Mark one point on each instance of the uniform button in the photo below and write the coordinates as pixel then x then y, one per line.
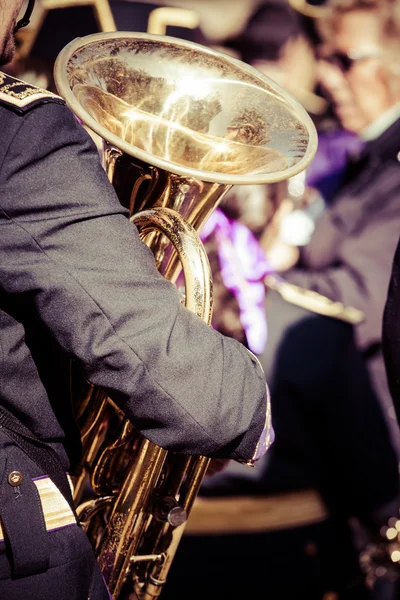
pixel 15 478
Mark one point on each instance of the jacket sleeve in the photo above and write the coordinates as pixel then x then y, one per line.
pixel 75 266
pixel 354 268
pixel 391 333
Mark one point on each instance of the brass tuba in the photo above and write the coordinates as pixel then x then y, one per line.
pixel 180 125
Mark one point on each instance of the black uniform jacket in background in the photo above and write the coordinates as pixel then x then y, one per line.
pixel 77 282
pixel 391 333
pixel 350 254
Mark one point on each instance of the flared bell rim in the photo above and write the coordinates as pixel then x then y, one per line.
pixel 64 89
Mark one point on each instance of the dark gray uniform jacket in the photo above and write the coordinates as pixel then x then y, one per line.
pixel 350 254
pixel 76 282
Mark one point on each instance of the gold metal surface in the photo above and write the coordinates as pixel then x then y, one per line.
pixel 181 124
pixel 185 108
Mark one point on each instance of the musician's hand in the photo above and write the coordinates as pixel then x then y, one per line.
pixel 282 256
pixel 217 465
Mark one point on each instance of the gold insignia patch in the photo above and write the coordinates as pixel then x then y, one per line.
pixel 21 95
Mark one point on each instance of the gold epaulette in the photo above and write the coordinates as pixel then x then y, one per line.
pixel 21 96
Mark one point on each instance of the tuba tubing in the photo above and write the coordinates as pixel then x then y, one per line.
pixel 179 124
pixel 134 505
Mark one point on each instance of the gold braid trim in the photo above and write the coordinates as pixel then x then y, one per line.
pixel 20 94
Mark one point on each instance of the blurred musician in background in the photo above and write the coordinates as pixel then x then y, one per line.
pixel 327 374
pixel 332 458
pixel 350 252
pixel 338 261
pixel 357 175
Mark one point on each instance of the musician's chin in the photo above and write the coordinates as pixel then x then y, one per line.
pixel 7 50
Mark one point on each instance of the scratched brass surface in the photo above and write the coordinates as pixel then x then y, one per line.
pixel 185 108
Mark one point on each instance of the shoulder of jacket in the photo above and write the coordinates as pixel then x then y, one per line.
pixel 20 97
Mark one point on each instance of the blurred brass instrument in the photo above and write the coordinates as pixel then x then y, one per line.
pixel 180 124
pixel 313 301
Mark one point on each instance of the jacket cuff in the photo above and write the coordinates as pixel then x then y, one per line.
pixel 266 438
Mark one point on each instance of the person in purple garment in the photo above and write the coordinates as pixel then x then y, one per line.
pixel 349 256
pixel 282 512
pixel 332 413
pixel 348 260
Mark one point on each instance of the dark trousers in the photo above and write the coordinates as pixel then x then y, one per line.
pixel 331 436
pixel 307 562
pixel 37 563
pixel 73 573
pixel 331 433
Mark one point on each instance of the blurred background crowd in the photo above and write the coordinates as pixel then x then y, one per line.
pixel 305 289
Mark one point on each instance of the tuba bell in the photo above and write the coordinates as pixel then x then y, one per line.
pixel 179 124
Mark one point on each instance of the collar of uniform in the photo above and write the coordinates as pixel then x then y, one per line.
pixel 21 96
pixel 375 129
pixel 386 146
